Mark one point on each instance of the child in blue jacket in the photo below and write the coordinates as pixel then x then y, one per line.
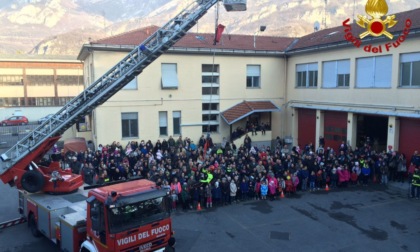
pixel 264 190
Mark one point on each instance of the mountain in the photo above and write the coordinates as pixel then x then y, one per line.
pixel 61 27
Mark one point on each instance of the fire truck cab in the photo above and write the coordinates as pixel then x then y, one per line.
pixel 129 216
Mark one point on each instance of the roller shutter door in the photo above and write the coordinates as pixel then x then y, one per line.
pixel 409 136
pixel 306 127
pixel 335 128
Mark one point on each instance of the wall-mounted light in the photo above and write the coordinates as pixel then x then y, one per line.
pixel 349 121
pixel 317 117
pixel 390 125
pixel 293 114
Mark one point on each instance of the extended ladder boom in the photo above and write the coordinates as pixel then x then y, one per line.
pixel 110 83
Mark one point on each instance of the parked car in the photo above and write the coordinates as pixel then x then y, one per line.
pixel 15 120
pixel 43 119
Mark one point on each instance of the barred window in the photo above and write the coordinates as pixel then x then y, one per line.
pixel 11 80
pixel 38 80
pixel 70 80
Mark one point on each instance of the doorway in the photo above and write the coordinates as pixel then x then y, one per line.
pixel 372 129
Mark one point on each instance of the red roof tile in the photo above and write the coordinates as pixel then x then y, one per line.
pixel 314 40
pixel 245 108
pixel 203 40
pixel 336 34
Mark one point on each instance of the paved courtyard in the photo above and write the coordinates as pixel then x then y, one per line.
pixel 373 218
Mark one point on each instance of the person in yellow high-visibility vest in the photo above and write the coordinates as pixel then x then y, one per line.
pixel 415 184
pixel 208 178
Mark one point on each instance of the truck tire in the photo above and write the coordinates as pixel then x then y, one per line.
pixel 32 181
pixel 33 226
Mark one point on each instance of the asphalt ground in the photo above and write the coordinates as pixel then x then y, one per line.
pixel 373 218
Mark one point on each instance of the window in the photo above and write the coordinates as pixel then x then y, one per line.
pixel 64 100
pixel 307 75
pixel 70 80
pixel 11 80
pixel 169 76
pixel 210 74
pixel 336 73
pixel 177 122
pixel 163 123
pixel 132 85
pixel 11 101
pixel 133 212
pixel 37 80
pixel 31 101
pixel 129 122
pixel 374 72
pixel 44 101
pixel 210 90
pixel 210 128
pixel 210 79
pixel 253 73
pixel 210 68
pixel 210 117
pixel 410 70
pixel 210 106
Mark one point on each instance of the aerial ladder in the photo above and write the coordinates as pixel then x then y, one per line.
pixel 18 165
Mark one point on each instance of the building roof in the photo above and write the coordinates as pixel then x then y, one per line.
pixel 229 43
pixel 38 58
pixel 246 108
pixel 202 40
pixel 336 35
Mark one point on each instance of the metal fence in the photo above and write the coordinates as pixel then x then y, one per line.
pixel 10 135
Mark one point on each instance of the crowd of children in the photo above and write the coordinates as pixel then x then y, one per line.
pixel 213 175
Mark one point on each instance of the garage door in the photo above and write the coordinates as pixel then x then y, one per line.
pixel 335 128
pixel 409 136
pixel 306 127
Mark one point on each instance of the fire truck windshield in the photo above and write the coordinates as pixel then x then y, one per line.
pixel 125 217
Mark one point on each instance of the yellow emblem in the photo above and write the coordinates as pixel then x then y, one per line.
pixel 376 26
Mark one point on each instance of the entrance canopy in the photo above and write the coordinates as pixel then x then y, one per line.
pixel 246 108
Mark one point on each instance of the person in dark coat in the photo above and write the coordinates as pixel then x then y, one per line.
pixel 217 194
pixel 244 186
pixel 225 191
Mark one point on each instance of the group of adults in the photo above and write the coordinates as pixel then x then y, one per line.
pixel 210 174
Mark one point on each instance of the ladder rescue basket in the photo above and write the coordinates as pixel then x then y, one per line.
pixel 235 5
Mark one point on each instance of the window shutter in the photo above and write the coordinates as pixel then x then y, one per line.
pixel 252 70
pixel 163 122
pixel 364 72
pixel 343 67
pixel 329 74
pixel 169 76
pixel 410 57
pixel 383 70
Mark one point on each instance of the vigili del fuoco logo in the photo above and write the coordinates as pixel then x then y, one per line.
pixel 376 24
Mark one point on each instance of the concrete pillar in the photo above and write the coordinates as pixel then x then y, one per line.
pixel 393 132
pixel 351 129
pixel 319 131
pixel 295 123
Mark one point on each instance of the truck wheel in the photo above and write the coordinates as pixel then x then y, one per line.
pixel 32 181
pixel 32 225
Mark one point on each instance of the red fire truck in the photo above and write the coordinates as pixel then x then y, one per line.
pixel 128 216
